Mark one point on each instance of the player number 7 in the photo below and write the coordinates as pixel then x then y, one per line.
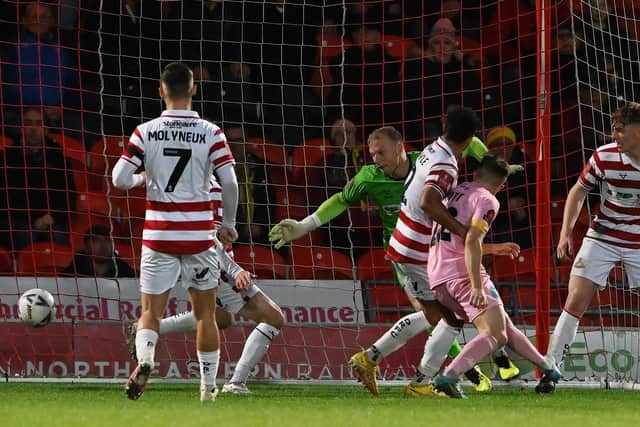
pixel 184 156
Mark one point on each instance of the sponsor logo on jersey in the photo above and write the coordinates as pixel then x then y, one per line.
pixel 179 124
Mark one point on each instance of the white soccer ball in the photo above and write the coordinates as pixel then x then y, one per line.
pixel 35 307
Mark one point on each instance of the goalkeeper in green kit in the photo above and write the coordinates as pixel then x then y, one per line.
pixel 383 184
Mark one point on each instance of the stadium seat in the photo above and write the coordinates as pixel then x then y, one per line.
pixel 317 237
pixel 5 141
pixel 44 258
pixel 76 156
pixel 71 147
pixel 93 201
pixel 563 268
pixel 266 150
pixel 101 158
pixel 262 261
pixel 373 265
pixel 557 212
pixel 522 269
pixel 6 262
pixel 289 203
pixel 320 263
pixel 275 157
pixel 398 47
pixel 385 302
pixel 130 204
pixel 307 163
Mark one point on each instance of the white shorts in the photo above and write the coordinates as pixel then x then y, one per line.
pixel 231 300
pixel 596 259
pixel 415 280
pixel 160 271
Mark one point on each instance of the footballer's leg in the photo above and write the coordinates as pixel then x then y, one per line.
pixel 365 363
pixel 590 269
pixel 436 311
pixel 521 345
pixel 207 340
pixel 158 274
pixel 491 335
pixel 435 352
pixel 507 370
pixel 200 276
pixel 146 339
pixel 261 309
pixel 581 292
pixel 224 319
pixel 181 322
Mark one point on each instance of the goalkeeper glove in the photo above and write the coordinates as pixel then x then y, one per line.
pixel 475 149
pixel 290 229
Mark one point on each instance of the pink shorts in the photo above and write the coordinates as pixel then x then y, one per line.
pixel 456 296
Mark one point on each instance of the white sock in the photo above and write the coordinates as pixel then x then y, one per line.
pixel 146 340
pixel 563 335
pixel 208 368
pixel 435 352
pixel 404 329
pixel 254 349
pixel 181 322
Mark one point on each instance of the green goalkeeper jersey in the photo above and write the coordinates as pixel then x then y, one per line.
pixel 383 191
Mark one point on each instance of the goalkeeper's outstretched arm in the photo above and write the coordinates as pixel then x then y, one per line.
pixel 290 229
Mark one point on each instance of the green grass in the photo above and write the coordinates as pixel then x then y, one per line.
pixel 50 405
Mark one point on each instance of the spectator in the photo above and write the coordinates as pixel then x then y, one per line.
pixel 513 222
pixel 235 99
pixel 253 216
pixel 38 187
pixel 97 258
pixel 371 79
pixel 344 163
pixel 436 81
pixel 38 70
pixel 362 225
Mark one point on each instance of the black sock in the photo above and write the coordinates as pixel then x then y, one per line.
pixel 502 361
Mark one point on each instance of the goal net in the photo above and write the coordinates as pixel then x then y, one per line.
pixel 297 86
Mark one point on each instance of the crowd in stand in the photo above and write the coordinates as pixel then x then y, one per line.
pixel 287 73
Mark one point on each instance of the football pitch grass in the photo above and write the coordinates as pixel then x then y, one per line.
pixel 52 405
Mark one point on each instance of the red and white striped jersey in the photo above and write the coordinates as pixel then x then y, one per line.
pixel 215 194
pixel 618 221
pixel 436 167
pixel 179 151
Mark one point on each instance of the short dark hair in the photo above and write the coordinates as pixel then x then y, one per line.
pixel 461 124
pixel 178 79
pixel 388 132
pixel 493 169
pixel 627 114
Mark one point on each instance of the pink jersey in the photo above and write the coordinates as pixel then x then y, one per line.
pixel 471 205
